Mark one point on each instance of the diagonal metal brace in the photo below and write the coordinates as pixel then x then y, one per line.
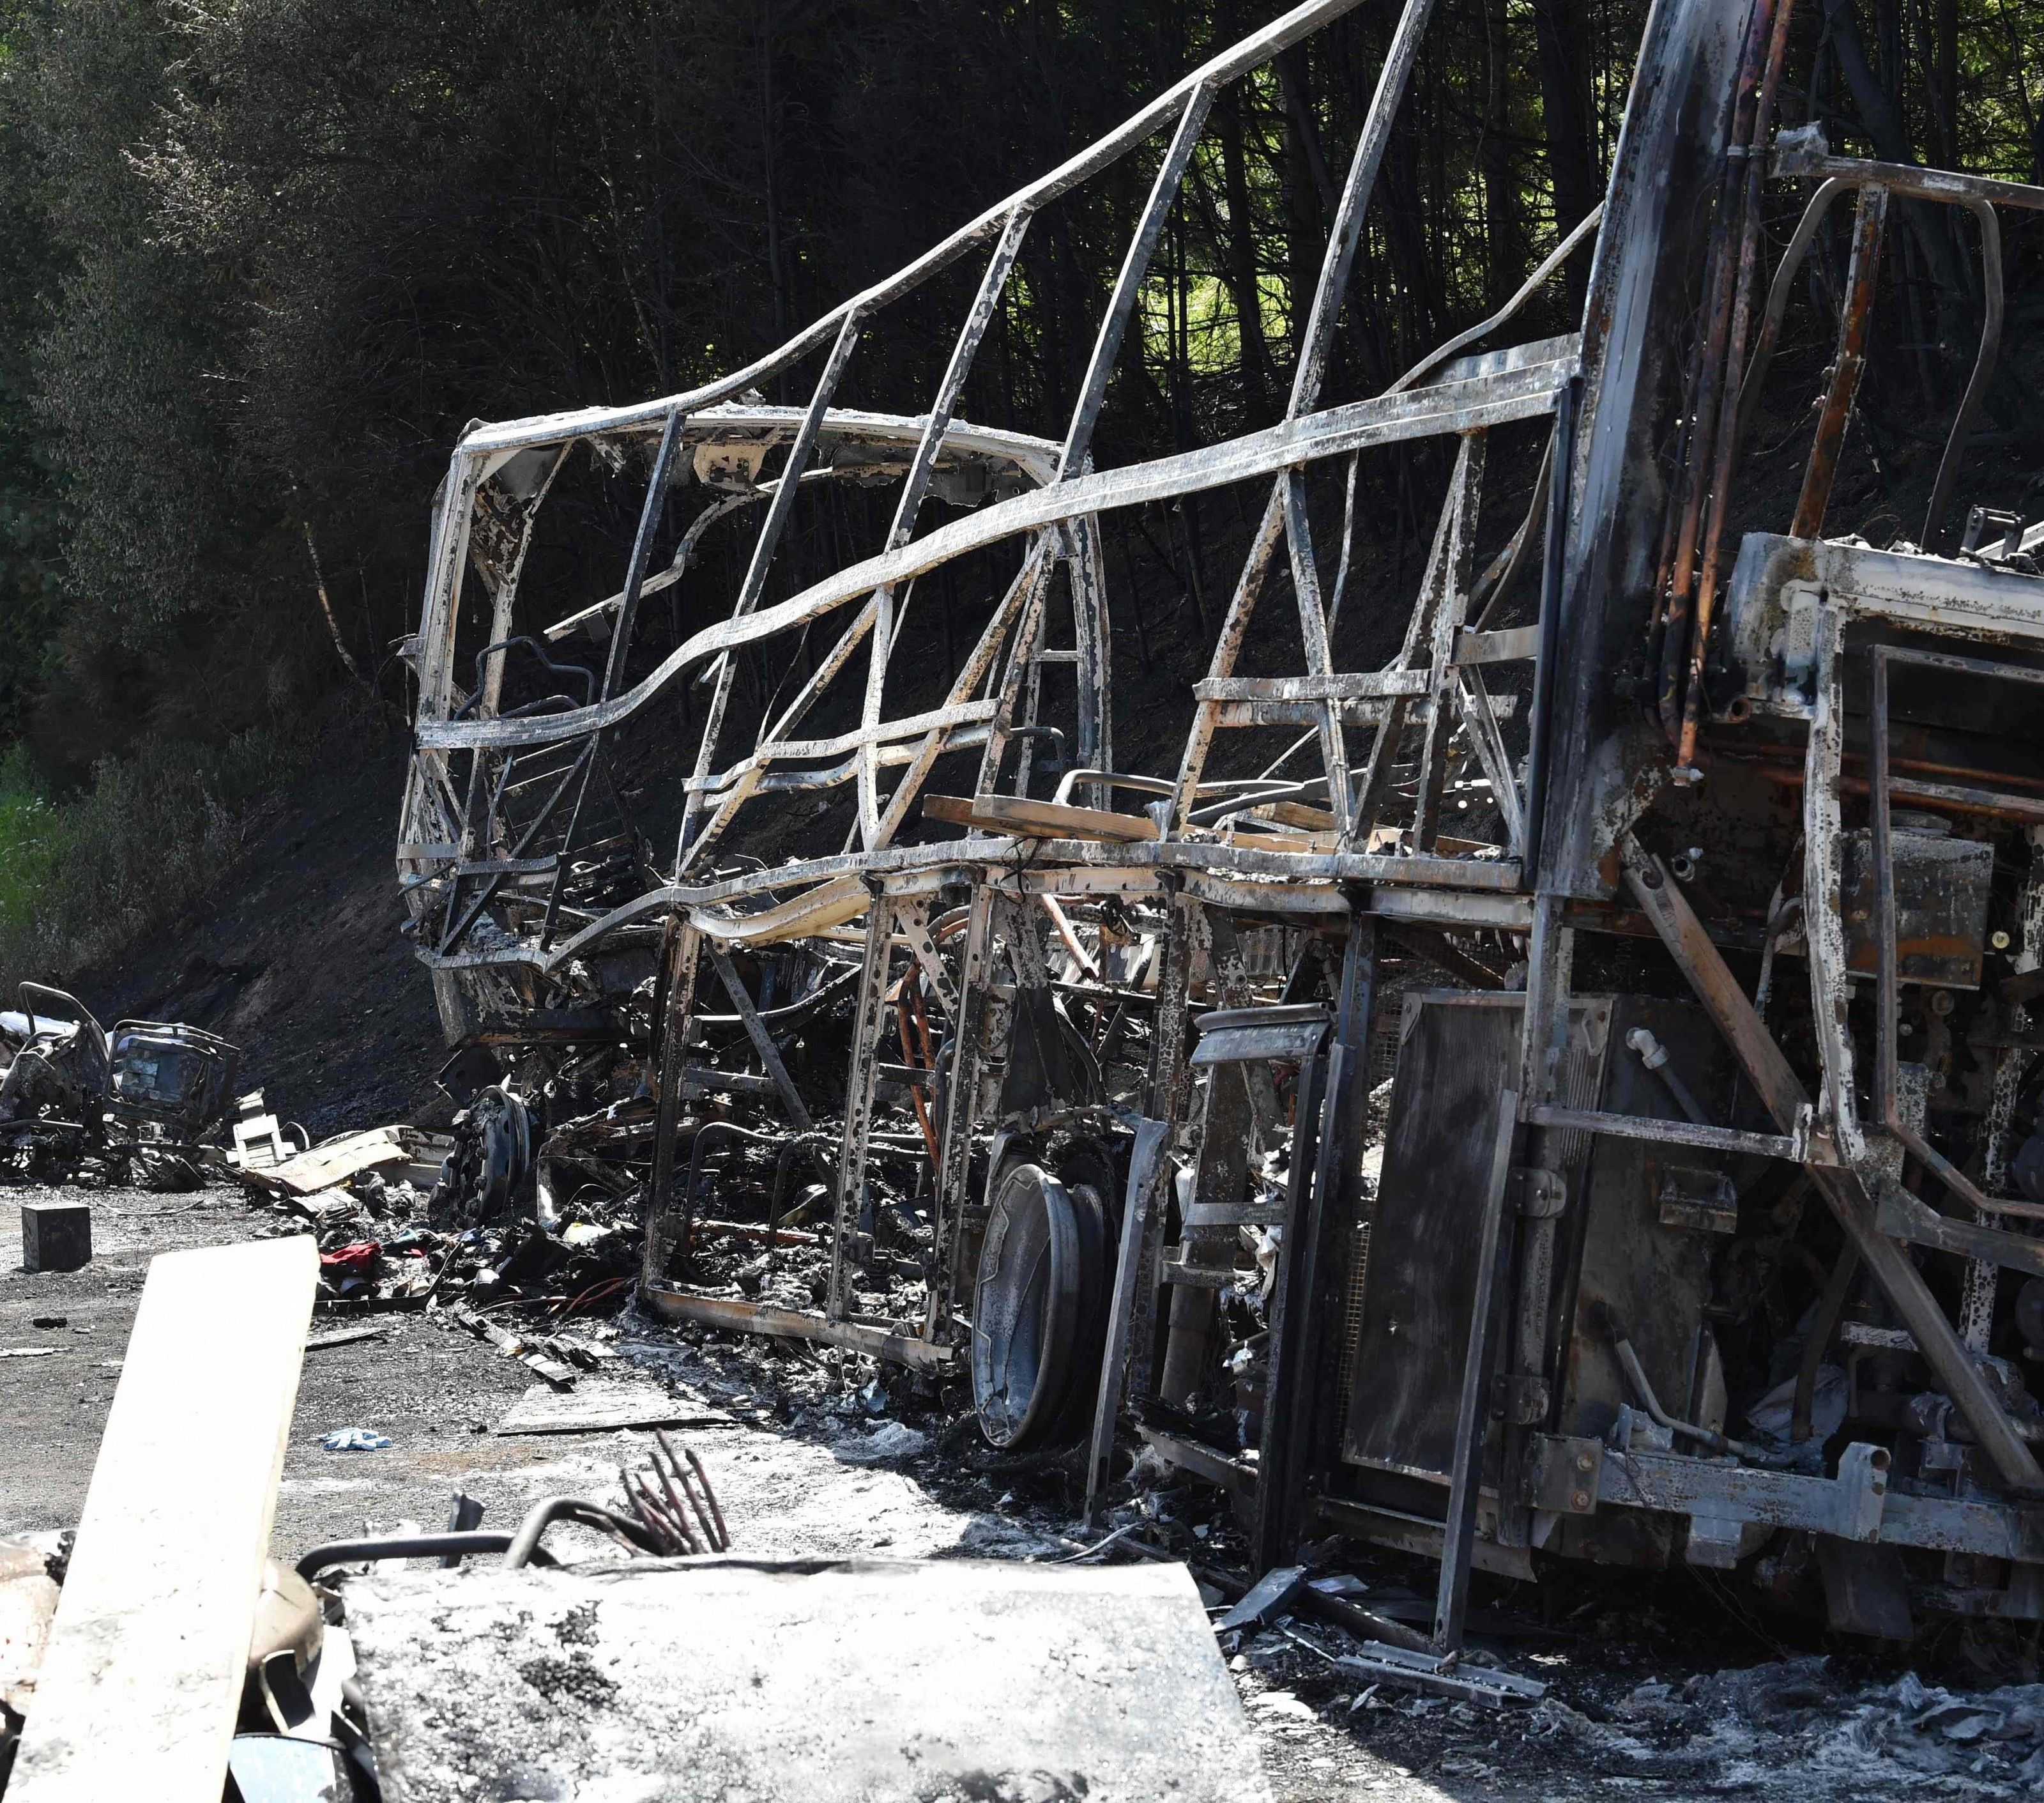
pixel 1782 1091
pixel 762 1041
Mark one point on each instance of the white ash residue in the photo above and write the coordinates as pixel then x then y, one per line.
pixel 1796 1724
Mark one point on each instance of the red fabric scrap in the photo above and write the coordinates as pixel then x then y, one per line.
pixel 357 1260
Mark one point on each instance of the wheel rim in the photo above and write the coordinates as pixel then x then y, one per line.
pixel 1027 1306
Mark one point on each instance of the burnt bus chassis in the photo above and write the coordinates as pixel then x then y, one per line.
pixel 1522 1412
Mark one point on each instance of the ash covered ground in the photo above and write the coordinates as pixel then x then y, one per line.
pixel 1675 1687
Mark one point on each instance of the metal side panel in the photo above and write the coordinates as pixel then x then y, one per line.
pixel 1458 1051
pixel 1645 1232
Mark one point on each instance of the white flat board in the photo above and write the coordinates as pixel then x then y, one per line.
pixel 139 1688
pixel 324 1166
pixel 597 1407
pixel 799 1680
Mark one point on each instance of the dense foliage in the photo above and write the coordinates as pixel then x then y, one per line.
pixel 260 260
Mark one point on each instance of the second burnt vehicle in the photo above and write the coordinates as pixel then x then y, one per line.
pixel 138 1102
pixel 1564 1089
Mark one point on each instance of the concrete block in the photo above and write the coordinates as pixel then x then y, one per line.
pixel 55 1235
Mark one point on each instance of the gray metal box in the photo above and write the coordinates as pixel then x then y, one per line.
pixel 55 1235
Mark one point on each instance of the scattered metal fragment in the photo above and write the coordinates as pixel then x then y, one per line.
pixel 517 1346
pixel 257 1140
pixel 401 1151
pixel 344 1337
pixel 1265 1598
pixel 1444 1675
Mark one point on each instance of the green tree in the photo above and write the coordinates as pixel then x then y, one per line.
pixel 31 518
pixel 122 362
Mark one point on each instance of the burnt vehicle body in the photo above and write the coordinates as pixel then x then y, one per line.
pixel 138 1100
pixel 167 1084
pixel 1571 1103
pixel 55 1082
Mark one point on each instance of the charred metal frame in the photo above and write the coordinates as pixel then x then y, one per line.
pixel 955 929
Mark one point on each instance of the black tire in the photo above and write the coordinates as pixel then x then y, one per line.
pixel 506 1134
pixel 1086 1169
pixel 1089 1162
pixel 1027 1307
pixel 1098 1247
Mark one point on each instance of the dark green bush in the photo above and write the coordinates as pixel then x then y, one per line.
pixel 84 877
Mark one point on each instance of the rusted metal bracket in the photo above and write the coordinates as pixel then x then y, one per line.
pixel 1853 1506
pixel 1565 1472
pixel 1847 365
pixel 1537 1194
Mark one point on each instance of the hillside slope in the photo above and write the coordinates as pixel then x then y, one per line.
pixel 297 959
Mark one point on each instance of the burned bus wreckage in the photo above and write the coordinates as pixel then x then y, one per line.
pixel 1572 1097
